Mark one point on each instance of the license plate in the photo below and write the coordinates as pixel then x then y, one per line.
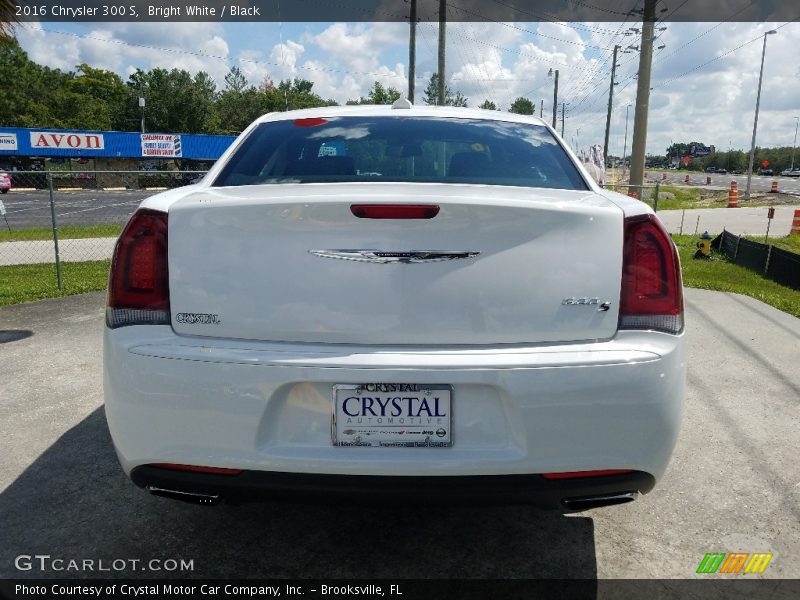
pixel 392 414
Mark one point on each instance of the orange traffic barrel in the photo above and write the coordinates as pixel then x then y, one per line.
pixel 733 195
pixel 708 180
pixel 774 189
pixel 795 224
pixel 686 179
pixel 663 177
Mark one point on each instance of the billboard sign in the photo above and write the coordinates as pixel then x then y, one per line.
pixel 161 145
pixel 8 141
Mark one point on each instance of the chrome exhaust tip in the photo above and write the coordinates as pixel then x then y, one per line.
pixel 190 497
pixel 598 501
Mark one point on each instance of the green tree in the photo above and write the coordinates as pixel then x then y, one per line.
pixel 235 80
pixel 488 105
pixel 378 95
pixel 175 101
pixel 31 90
pixel 522 106
pixel 94 99
pixel 431 94
pixel 291 94
pixel 239 104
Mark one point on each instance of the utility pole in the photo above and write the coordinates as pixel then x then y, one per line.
pixel 794 145
pixel 625 147
pixel 541 113
pixel 442 33
pixel 555 100
pixel 610 103
pixel 412 50
pixel 563 117
pixel 639 145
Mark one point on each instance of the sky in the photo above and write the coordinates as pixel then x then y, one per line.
pixel 704 80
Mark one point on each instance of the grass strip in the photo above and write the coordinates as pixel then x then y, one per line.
pixel 720 275
pixel 69 232
pixel 24 283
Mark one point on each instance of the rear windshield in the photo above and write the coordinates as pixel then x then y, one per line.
pixel 401 149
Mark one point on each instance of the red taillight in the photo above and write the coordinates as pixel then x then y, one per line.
pixel 394 211
pixel 581 474
pixel 138 284
pixel 652 293
pixel 198 469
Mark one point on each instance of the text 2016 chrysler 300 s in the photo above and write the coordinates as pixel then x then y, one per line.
pixel 390 302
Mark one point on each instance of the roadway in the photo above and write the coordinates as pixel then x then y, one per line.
pixel 98 207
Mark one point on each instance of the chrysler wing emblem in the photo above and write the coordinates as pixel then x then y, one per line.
pixel 389 256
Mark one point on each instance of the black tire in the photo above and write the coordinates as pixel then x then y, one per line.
pixel 3 191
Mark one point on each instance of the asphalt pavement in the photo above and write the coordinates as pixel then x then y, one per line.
pixel 733 483
pixel 741 221
pixel 102 207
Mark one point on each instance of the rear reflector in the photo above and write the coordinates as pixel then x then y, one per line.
pixel 652 292
pixel 582 474
pixel 138 283
pixel 395 211
pixel 198 469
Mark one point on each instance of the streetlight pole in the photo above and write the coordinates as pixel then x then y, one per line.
pixel 794 145
pixel 141 105
pixel 755 121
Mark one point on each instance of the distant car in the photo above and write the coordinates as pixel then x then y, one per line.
pixel 765 171
pixel 717 170
pixel 5 183
pixel 791 172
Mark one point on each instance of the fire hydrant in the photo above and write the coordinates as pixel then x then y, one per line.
pixel 704 246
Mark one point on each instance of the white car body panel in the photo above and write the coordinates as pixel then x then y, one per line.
pixel 267 406
pixel 245 254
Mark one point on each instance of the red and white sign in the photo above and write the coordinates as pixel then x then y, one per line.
pixel 67 140
pixel 765 163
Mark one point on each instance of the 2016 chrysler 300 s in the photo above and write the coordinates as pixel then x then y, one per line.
pixel 391 302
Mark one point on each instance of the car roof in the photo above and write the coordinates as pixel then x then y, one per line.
pixel 369 110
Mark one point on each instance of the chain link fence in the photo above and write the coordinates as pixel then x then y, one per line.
pixel 52 217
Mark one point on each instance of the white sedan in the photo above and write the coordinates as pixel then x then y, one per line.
pixel 391 303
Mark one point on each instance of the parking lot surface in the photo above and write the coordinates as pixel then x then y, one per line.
pixel 733 484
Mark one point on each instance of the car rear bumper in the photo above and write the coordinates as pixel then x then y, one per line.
pixel 266 407
pixel 565 495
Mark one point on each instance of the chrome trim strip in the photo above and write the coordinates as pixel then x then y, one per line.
pixel 395 256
